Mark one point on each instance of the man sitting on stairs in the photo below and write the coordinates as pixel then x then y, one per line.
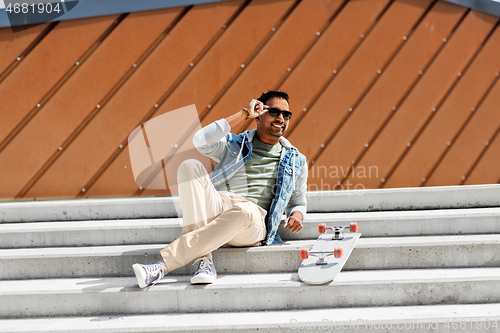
pixel 259 176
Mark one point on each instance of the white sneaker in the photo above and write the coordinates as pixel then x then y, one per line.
pixel 206 271
pixel 148 275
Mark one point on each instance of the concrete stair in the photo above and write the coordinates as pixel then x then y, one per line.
pixel 428 260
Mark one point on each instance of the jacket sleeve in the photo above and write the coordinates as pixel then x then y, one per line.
pixel 211 141
pixel 298 201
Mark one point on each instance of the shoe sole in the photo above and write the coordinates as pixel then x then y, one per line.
pixel 139 275
pixel 203 280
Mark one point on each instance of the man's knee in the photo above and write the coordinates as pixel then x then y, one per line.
pixel 245 214
pixel 189 170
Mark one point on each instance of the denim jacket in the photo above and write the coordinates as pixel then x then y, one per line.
pixel 231 151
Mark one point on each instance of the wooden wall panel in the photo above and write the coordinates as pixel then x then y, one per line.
pixel 486 170
pixel 113 60
pixel 12 45
pixel 324 53
pixel 161 73
pixel 274 59
pixel 131 104
pixel 456 112
pixel 330 52
pixel 352 81
pixel 436 84
pixel 225 58
pixel 467 148
pixel 395 84
pixel 116 180
pixel 30 82
pixel 350 85
pixel 223 61
pixel 78 98
pixel 390 91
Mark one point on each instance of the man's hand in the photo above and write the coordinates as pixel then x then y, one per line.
pixel 293 223
pixel 256 108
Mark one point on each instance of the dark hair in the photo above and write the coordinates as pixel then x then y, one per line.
pixel 273 93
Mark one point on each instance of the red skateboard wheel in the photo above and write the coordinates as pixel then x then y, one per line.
pixel 304 253
pixel 353 227
pixel 338 252
pixel 322 228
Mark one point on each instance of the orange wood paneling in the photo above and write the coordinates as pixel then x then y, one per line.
pixel 112 179
pixel 131 104
pixel 274 59
pixel 224 59
pixel 486 170
pixel 432 91
pixel 332 49
pixel 29 83
pixel 394 85
pixel 351 83
pixel 310 39
pixel 12 45
pixel 116 180
pixel 78 97
pixel 470 143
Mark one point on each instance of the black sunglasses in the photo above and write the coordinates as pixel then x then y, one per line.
pixel 275 112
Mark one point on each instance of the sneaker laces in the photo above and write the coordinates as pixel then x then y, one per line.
pixel 204 265
pixel 153 269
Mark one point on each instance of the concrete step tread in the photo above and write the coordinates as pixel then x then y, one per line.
pixel 369 254
pixel 117 250
pixel 368 317
pixel 439 197
pixel 151 231
pixel 240 281
pixel 91 225
pixel 247 292
pixel 176 222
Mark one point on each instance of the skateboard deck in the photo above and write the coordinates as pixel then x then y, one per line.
pixel 327 257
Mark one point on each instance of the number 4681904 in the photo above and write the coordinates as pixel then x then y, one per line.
pixel 40 8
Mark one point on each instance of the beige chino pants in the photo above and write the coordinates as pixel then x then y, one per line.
pixel 210 218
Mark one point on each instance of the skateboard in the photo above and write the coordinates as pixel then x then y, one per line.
pixel 328 255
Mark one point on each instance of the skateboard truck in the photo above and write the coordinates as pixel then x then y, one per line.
pixel 323 268
pixel 338 235
pixel 321 255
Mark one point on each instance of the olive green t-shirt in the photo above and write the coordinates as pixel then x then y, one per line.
pixel 257 181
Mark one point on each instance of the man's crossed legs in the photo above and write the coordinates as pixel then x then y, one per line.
pixel 210 220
